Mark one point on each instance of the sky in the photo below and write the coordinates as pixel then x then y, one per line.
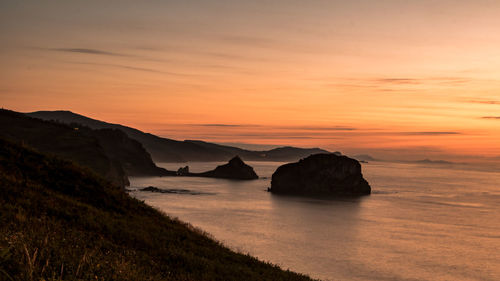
pixel 394 79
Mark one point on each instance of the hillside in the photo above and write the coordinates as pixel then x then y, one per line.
pixel 108 152
pixel 286 153
pixel 168 150
pixel 59 222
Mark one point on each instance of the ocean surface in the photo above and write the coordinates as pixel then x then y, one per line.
pixel 422 222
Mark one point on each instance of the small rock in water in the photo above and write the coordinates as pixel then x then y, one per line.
pixel 183 171
pixel 174 191
pixel 151 189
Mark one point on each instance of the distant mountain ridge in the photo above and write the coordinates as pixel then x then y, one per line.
pixel 429 161
pixel 168 150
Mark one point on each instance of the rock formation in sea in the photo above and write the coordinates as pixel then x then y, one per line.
pixel 183 171
pixel 234 169
pixel 321 174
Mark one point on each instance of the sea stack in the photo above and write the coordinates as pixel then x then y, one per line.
pixel 321 174
pixel 183 171
pixel 234 169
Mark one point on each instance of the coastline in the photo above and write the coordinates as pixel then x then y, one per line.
pixel 61 221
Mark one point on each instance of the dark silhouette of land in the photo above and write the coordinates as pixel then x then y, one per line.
pixel 321 174
pixel 364 157
pixel 235 169
pixel 108 152
pixel 438 162
pixel 58 221
pixel 168 150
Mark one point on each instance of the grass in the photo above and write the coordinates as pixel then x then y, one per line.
pixel 61 222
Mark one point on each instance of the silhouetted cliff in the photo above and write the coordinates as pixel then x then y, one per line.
pixel 109 153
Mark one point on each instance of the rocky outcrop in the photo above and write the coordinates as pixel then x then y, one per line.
pixel 320 174
pixel 234 169
pixel 151 189
pixel 183 171
pixel 174 191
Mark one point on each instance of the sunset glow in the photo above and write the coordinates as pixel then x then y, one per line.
pixel 393 79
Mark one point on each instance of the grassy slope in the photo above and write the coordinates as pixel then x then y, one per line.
pixel 57 221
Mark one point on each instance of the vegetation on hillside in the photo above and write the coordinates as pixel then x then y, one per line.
pixel 108 152
pixel 60 222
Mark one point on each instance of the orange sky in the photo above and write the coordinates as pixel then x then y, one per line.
pixel 407 79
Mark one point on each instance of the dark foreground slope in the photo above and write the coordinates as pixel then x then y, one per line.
pixel 59 222
pixel 168 150
pixel 108 152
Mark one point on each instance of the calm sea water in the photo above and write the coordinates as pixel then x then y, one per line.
pixel 420 223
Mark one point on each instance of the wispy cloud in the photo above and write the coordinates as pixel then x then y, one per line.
pixel 420 80
pixel 220 125
pixel 484 101
pixel 273 44
pixel 428 133
pixel 210 53
pixel 128 67
pixel 104 53
pixel 250 41
pixel 318 128
pixel 491 117
pixel 396 80
pixel 391 83
pixel 88 51
pixel 120 66
pixel 288 128
pixel 221 130
pixel 269 135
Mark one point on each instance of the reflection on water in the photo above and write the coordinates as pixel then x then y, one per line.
pixel 420 223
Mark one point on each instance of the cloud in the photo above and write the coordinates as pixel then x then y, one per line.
pixel 292 128
pixel 424 80
pixel 214 53
pixel 491 117
pixel 288 46
pixel 316 128
pixel 391 83
pixel 87 51
pixel 252 41
pixel 429 133
pixel 397 80
pixel 320 128
pixel 97 52
pixel 319 132
pixel 220 125
pixel 120 66
pixel 132 68
pixel 485 101
pixel 270 135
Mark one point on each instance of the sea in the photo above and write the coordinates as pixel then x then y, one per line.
pixel 421 222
